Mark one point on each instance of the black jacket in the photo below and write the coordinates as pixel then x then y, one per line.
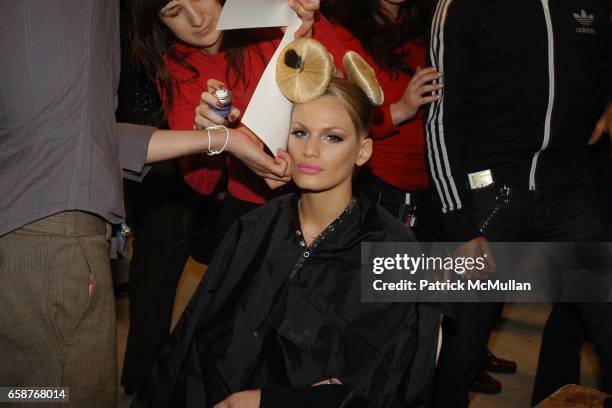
pixel 270 312
pixel 524 84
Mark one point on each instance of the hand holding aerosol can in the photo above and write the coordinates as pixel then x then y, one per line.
pixel 215 107
pixel 224 102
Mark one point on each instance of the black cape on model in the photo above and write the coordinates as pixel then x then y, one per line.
pixel 270 312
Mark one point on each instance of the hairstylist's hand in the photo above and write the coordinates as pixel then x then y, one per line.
pixel 604 124
pixel 205 116
pixel 306 9
pixel 281 156
pixel 412 100
pixel 249 149
pixel 243 399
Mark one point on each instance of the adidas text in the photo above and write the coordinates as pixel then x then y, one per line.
pixel 585 30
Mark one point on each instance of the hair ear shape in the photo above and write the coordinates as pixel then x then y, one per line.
pixel 304 70
pixel 359 72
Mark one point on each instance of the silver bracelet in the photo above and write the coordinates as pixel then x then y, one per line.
pixel 210 151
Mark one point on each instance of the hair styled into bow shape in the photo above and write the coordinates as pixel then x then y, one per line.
pixel 305 72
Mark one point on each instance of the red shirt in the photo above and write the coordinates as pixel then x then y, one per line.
pixel 399 151
pixel 200 172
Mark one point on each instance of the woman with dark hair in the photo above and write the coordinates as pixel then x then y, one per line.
pixel 160 211
pixel 180 41
pixel 278 320
pixel 391 36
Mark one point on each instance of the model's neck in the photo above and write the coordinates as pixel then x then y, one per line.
pixel 319 209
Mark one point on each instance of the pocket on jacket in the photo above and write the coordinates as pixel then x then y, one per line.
pixel 490 203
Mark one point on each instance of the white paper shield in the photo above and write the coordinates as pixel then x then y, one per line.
pixel 268 113
pixel 255 13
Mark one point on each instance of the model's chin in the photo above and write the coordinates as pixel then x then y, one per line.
pixel 310 182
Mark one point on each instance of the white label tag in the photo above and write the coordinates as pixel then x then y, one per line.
pixel 480 179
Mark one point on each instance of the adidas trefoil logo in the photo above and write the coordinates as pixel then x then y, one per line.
pixel 586 20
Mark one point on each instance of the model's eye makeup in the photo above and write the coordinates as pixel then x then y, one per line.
pixel 297 131
pixel 332 138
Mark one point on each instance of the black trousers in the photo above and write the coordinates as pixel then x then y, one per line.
pixel 565 215
pixel 567 326
pixel 162 211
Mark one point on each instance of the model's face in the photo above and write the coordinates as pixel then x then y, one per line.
pixel 325 146
pixel 194 22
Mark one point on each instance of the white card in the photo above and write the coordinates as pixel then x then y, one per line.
pixel 255 13
pixel 268 114
pixel 480 179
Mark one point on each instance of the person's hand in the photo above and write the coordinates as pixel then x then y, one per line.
pixel 243 399
pixel 205 116
pixel 604 124
pixel 306 10
pixel 412 99
pixel 477 248
pixel 281 156
pixel 248 148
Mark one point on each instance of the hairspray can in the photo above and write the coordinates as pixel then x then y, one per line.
pixel 225 98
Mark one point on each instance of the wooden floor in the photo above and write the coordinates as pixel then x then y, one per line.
pixel 517 337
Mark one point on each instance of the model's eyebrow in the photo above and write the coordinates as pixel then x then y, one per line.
pixel 333 129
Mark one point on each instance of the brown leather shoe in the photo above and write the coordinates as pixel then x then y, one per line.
pixel 499 365
pixel 485 384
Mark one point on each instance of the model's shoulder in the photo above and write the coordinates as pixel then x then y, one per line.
pixel 270 209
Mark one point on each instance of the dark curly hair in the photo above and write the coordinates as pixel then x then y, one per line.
pixel 378 34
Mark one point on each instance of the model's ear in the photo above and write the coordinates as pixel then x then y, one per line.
pixel 365 151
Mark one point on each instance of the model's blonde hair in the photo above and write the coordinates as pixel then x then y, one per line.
pixel 304 72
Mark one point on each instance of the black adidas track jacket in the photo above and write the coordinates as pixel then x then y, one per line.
pixel 524 84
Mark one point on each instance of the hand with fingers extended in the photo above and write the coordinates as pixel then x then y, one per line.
pixel 248 148
pixel 415 95
pixel 306 10
pixel 205 114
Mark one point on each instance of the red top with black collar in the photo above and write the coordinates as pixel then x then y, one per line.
pixel 399 151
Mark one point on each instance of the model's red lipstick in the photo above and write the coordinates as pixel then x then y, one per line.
pixel 308 168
